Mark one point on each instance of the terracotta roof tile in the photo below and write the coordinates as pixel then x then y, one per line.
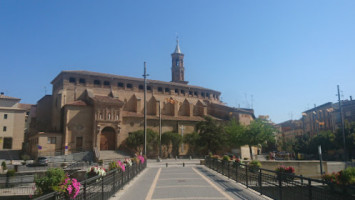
pixel 7 97
pixel 77 103
pixel 107 99
pixel 25 106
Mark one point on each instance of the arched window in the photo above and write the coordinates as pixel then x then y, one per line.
pixel 97 82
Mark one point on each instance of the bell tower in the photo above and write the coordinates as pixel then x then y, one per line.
pixel 177 69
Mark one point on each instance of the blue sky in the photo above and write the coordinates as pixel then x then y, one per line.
pixel 281 57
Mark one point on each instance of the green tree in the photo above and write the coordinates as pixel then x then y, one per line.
pixel 258 132
pixel 301 144
pixel 235 133
pixel 286 144
pixel 171 139
pixel 326 139
pixel 135 141
pixel 212 135
pixel 192 140
pixel 349 131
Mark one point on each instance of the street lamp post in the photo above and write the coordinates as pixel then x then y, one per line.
pixel 320 159
pixel 182 136
pixel 145 107
pixel 342 124
pixel 159 131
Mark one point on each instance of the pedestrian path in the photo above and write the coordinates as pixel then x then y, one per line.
pixel 183 183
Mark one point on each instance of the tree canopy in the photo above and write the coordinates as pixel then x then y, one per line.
pixel 135 141
pixel 212 135
pixel 171 139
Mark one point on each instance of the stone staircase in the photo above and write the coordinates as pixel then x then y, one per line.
pixel 109 155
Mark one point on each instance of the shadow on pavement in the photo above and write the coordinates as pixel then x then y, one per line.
pixel 229 186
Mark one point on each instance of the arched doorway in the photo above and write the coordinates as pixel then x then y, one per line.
pixel 108 139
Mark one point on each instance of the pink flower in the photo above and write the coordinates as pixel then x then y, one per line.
pixel 74 181
pixel 70 189
pixel 76 193
pixel 141 158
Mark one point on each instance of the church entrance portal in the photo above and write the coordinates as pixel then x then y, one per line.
pixel 108 139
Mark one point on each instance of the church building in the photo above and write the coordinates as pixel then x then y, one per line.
pixel 96 111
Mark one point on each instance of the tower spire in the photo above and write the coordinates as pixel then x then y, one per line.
pixel 177 69
pixel 177 48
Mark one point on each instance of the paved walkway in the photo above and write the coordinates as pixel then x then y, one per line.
pixel 192 182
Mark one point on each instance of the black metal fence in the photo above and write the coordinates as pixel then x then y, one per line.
pixel 276 185
pixel 101 187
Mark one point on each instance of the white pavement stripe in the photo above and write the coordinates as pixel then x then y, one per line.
pixel 189 173
pixel 168 179
pixel 152 187
pixel 192 198
pixel 183 186
pixel 213 185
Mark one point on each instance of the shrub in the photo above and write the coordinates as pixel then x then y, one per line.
pixel 226 158
pixel 112 165
pixel 343 177
pixel 215 157
pixel 331 178
pixel 3 165
pixel 100 162
pixel 135 159
pixel 245 158
pixel 238 162
pixel 50 182
pixel 348 176
pixel 285 169
pixel 254 165
pixel 11 172
pixel 25 157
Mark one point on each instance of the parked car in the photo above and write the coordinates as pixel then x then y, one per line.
pixel 43 161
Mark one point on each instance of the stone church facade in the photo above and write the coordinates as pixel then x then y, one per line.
pixel 90 110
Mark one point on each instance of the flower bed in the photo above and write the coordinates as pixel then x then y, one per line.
pixel 285 173
pixel 342 181
pixel 70 188
pixel 95 171
pixel 58 185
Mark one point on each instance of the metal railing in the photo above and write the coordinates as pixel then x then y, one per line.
pixel 16 186
pixel 277 185
pixel 101 187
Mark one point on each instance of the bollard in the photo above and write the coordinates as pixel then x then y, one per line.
pixel 190 157
pixel 175 157
pixel 183 164
pixel 166 164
